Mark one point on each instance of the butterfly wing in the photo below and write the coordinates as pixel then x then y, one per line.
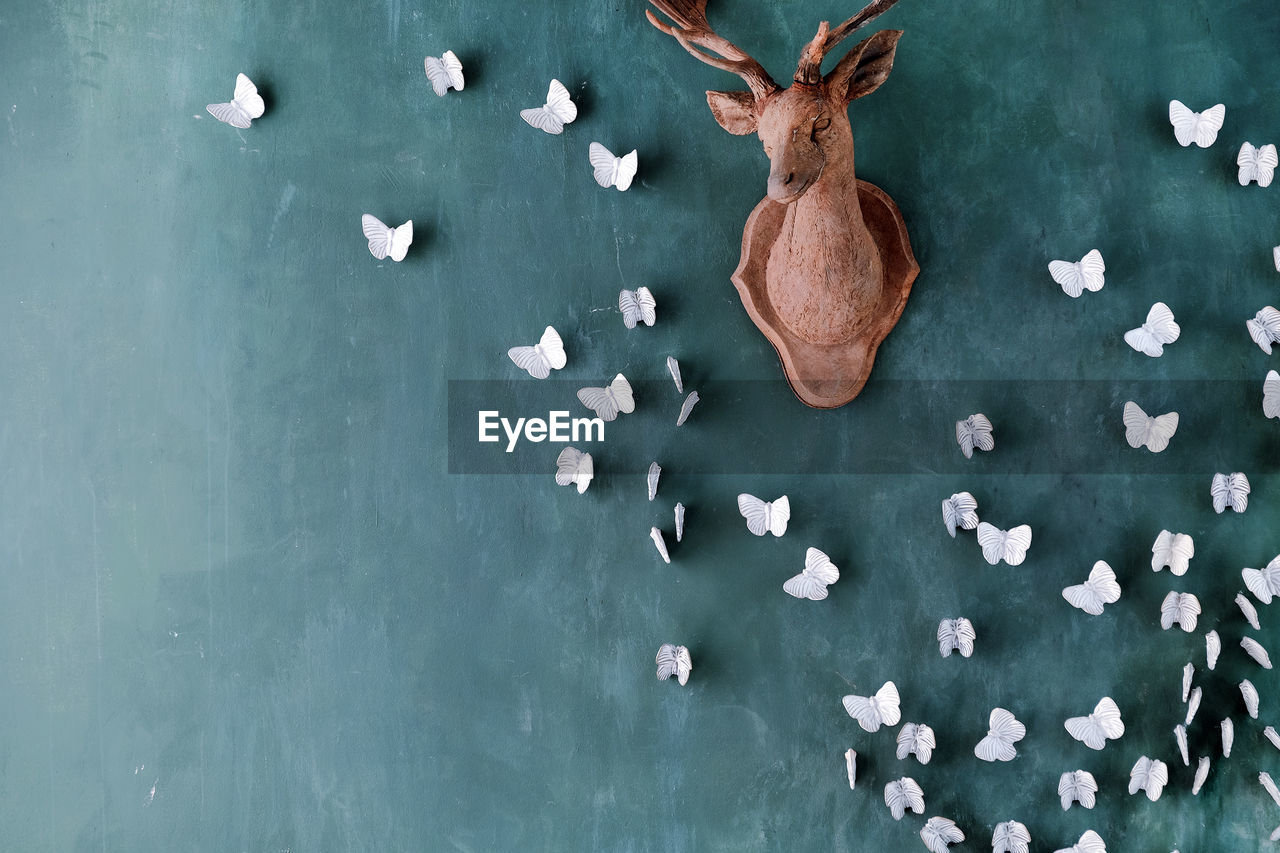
pixel 531 360
pixel 627 166
pixel 630 309
pixel 667 661
pixel 378 234
pixel 1265 164
pixel 647 306
pixel 1238 492
pixel 756 512
pixel 779 515
pixel 543 119
pixel 574 467
pixel 1250 695
pixel 1161 324
pixel 1016 543
pixel 888 703
pixel 1271 395
pixel 399 240
pixel 1220 492
pixel 551 349
pixel 620 388
pixel 1184 123
pixel 947 637
pixel 1202 773
pixel 992 539
pixel 965 438
pixel 560 105
pixel 1087 731
pixel 960 510
pixel 1208 124
pixel 673 367
pixel 247 99
pixel 686 408
pixel 655 471
pixel 600 401
pixel 864 711
pixel 1137 425
pixel 603 164
pixel 437 74
pixel 1247 160
pixel 819 572
pixel 453 68
pixel 660 543
pixel 1257 583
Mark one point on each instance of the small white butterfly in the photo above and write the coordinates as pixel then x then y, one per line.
pixel 543 357
pixel 1003 732
pixel 1249 694
pixel 1180 737
pixel 679 521
pixel 558 111
pixel 1250 612
pixel 1010 546
pixel 673 367
pixel 385 240
pixel 1077 786
pixel 1257 164
pixel 1010 837
pixel 1084 274
pixel 444 73
pixel 1230 490
pixel 637 306
pixel 1097 728
pixel 660 543
pixel 939 833
pixel 1181 609
pixel 1212 648
pixel 1255 650
pixel 917 739
pixel 1271 395
pixel 1265 779
pixel 819 573
pixel 1148 775
pixel 872 712
pixel 974 431
pixel 902 794
pixel 674 660
pixel 1174 550
pixel 687 407
pixel 1098 591
pixel 956 635
pixel 764 516
pixel 1151 337
pixel 1154 433
pixel 1188 672
pixel 1200 128
pixel 851 768
pixel 611 171
pixel 574 468
pixel 607 402
pixel 960 510
pixel 245 105
pixel 655 471
pixel 1090 842
pixel 1264 328
pixel 1202 773
pixel 1264 583
pixel 1193 704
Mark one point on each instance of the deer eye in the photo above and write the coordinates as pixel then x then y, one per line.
pixel 822 123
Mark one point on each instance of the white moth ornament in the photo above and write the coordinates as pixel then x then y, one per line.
pixel 939 833
pixel 674 660
pixel 1270 734
pixel 673 367
pixel 1271 395
pixel 1174 550
pixel 1257 164
pixel 956 635
pixel 1264 328
pixel 607 402
pixel 1142 430
pixel 445 72
pixel 1249 694
pixel 1010 546
pixel 385 240
pixel 611 171
pixel 1090 842
pixel 812 582
pixel 1003 732
pixel 960 511
pixel 1188 672
pixel 245 105
pixel 1264 583
pixel 765 516
pixel 872 712
pixel 1228 731
pixel 1079 276
pixel 1180 737
pixel 1077 786
pixel 1148 775
pixel 1010 837
pixel 1250 612
pixel 1202 774
pixel 1181 609
pixel 851 768
pixel 975 431
pixel 660 543
pixel 541 358
pixel 1230 490
pixel 1200 128
pixel 574 468
pixel 637 306
pixel 679 521
pixel 1212 648
pixel 651 481
pixel 903 794
pixel 1265 779
pixel 687 407
pixel 558 111
pixel 1153 335
pixel 1193 705
pixel 1255 650
pixel 916 739
pixel 1097 728
pixel 1098 591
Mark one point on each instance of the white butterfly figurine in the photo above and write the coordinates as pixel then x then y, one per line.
pixel 1202 773
pixel 686 408
pixel 1271 395
pixel 637 306
pixel 917 739
pixel 974 431
pixel 1230 490
pixel 1098 591
pixel 819 573
pixel 1090 842
pixel 444 73
pixel 651 480
pixel 851 768
pixel 1174 550
pixel 1257 164
pixel 765 516
pixel 679 521
pixel 1153 433
pixel 552 116
pixel 1010 546
pixel 607 402
pixel 673 367
pixel 1077 786
pixel 902 794
pixel 611 171
pixel 1200 128
pixel 245 105
pixel 960 511
pixel 1079 276
pixel 872 712
pixel 1248 610
pixel 1180 738
pixel 660 543
pixel 674 660
pixel 1212 648
pixel 1181 609
pixel 939 833
pixel 1255 650
pixel 1249 694
pixel 1264 328
pixel 1003 732
pixel 956 635
pixel 1152 336
pixel 1010 837
pixel 1193 705
pixel 1149 775
pixel 1097 728
pixel 574 468
pixel 541 358
pixel 385 240
pixel 1264 583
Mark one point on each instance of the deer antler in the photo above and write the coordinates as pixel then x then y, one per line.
pixel 693 31
pixel 809 70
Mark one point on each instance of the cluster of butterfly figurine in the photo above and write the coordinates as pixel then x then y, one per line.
pixel 445 73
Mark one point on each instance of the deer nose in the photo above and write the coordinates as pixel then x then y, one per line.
pixel 791 176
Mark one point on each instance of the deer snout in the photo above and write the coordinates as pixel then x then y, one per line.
pixel 787 182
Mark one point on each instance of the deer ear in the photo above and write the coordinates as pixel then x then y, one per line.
pixel 736 111
pixel 864 68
